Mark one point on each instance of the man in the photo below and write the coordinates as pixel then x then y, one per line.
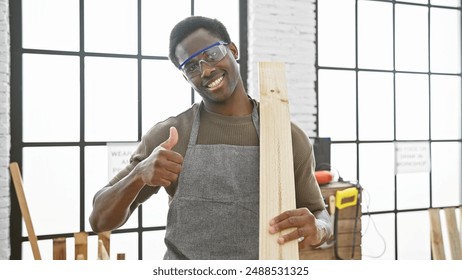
pixel 207 159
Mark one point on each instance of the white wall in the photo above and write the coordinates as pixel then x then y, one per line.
pixel 4 130
pixel 285 31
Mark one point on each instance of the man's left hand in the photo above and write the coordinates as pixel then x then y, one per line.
pixel 304 224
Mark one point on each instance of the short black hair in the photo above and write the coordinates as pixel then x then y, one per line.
pixel 190 24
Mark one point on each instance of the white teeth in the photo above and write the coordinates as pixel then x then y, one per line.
pixel 215 83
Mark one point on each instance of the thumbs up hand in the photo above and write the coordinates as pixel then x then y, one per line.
pixel 163 166
pixel 172 139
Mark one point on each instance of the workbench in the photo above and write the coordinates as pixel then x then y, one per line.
pixel 346 224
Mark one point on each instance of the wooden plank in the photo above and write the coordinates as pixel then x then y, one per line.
pixel 81 247
pixel 460 223
pixel 349 212
pixel 436 235
pixel 347 225
pixel 120 256
pixel 18 186
pixel 277 185
pixel 453 233
pixel 329 254
pixel 59 248
pixel 104 237
pixel 102 252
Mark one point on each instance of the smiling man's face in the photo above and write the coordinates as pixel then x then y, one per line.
pixel 218 81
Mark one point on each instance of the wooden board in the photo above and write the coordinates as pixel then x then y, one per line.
pixel 277 185
pixel 81 247
pixel 329 253
pixel 104 248
pixel 453 233
pixel 460 223
pixel 59 248
pixel 436 234
pixel 18 186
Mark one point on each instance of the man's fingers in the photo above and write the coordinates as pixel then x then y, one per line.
pixel 290 213
pixel 295 234
pixel 170 156
pixel 290 222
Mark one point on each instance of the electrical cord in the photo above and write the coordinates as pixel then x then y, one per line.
pixel 370 219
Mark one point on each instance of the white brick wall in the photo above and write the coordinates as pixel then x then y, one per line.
pixel 285 31
pixel 4 131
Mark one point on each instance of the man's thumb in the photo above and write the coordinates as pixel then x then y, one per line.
pixel 172 139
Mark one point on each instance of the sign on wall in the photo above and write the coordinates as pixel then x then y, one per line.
pixel 412 157
pixel 118 157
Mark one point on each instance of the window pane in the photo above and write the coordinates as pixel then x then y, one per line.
pixel 411 37
pixel 45 247
pixel 51 185
pixel 446 174
pixel 50 24
pixel 378 236
pixel 337 103
pixel 125 243
pixel 417 1
pixel 111 26
pixel 336 33
pixel 153 245
pixel 376 166
pixel 343 161
pixel 375 35
pixel 51 98
pixel 375 92
pixel 413 190
pixel 111 99
pixel 156 27
pixel 227 12
pixel 412 106
pixel 414 236
pixel 445 107
pixel 452 3
pixel 165 92
pixel 155 210
pixel 445 40
pixel 96 177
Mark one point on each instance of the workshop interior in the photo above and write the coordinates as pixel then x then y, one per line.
pixel 374 84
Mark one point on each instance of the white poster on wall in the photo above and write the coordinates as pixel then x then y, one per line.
pixel 412 157
pixel 118 157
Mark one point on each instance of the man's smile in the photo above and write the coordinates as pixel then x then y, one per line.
pixel 215 82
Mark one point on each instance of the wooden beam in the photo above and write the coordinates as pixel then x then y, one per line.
pixel 18 186
pixel 59 248
pixel 81 245
pixel 453 233
pixel 436 234
pixel 104 239
pixel 460 223
pixel 277 184
pixel 102 252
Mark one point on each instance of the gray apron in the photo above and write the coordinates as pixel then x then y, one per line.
pixel 215 211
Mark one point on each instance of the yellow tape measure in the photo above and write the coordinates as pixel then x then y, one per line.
pixel 346 198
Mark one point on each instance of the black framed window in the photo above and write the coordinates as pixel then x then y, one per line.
pixel 86 74
pixel 389 72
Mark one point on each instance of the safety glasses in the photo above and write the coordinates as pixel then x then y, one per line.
pixel 212 54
